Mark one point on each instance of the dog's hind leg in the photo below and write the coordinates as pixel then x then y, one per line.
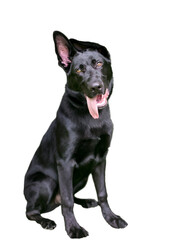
pixel 86 203
pixel 39 200
pixel 44 222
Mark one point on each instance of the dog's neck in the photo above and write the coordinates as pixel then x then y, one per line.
pixel 76 99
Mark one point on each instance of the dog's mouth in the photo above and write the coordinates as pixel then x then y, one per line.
pixel 96 103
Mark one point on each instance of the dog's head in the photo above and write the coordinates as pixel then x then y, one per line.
pixel 88 69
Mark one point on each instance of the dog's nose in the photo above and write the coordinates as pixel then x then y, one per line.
pixel 96 87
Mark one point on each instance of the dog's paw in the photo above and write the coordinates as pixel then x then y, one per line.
pixel 48 224
pixel 77 232
pixel 116 222
pixel 89 203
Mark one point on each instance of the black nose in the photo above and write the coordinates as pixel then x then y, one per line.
pixel 96 87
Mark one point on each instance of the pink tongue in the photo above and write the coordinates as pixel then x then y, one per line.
pixel 92 106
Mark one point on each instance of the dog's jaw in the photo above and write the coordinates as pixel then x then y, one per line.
pixel 97 102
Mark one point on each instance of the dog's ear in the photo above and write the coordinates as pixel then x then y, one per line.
pixel 83 46
pixel 63 49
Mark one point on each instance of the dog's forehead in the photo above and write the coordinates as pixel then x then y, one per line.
pixel 86 57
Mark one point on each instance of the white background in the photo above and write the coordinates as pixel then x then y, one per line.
pixel 31 86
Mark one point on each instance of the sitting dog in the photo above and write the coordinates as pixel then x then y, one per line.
pixel 77 141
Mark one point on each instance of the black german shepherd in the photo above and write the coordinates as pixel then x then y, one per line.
pixel 77 141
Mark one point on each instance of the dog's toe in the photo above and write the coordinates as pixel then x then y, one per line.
pixel 89 203
pixel 48 224
pixel 117 222
pixel 79 232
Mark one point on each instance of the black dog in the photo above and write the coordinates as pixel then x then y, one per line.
pixel 77 141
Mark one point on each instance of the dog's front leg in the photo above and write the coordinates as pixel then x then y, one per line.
pixel 99 181
pixel 65 173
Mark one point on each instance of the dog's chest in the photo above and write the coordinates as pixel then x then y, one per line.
pixel 89 152
pixel 86 149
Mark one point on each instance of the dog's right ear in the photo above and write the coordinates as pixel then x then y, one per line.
pixel 63 49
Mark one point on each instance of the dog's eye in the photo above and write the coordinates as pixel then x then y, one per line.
pixel 78 70
pixel 94 62
pixel 99 64
pixel 81 68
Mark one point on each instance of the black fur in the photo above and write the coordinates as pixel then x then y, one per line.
pixel 75 144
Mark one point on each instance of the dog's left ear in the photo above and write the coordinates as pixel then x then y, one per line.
pixel 83 46
pixel 64 50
